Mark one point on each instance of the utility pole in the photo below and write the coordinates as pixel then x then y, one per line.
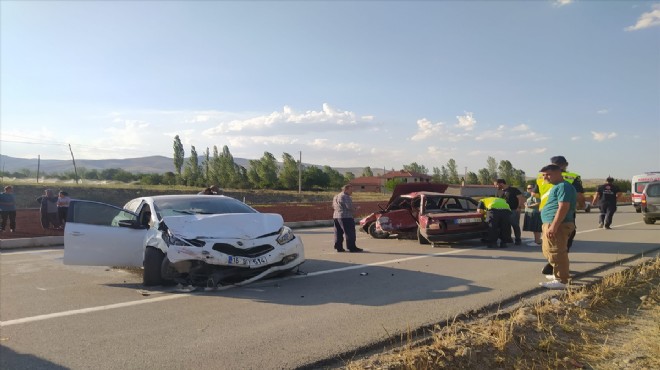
pixel 75 170
pixel 300 172
pixel 38 166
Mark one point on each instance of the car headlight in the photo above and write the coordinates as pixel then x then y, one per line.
pixel 172 239
pixel 286 235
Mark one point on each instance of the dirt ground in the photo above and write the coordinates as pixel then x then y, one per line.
pixel 28 225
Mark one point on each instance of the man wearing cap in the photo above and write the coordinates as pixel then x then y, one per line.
pixel 542 188
pixel 498 216
pixel 558 217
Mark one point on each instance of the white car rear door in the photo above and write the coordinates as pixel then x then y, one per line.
pixel 93 236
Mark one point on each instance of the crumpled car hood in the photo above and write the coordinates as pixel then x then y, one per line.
pixel 224 226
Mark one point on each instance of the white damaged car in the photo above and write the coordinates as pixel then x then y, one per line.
pixel 202 240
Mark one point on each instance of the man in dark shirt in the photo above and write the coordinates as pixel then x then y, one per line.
pixel 516 201
pixel 606 193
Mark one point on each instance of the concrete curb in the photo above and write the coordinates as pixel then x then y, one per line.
pixel 49 241
pixel 42 241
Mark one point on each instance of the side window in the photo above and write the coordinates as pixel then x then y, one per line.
pixel 97 214
pixel 653 191
pixel 467 205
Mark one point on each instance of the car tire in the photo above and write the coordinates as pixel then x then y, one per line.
pixel 153 261
pixel 421 238
pixel 638 209
pixel 375 233
pixel 649 221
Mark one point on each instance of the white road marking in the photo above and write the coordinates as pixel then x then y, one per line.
pixel 177 296
pixel 599 229
pixel 90 309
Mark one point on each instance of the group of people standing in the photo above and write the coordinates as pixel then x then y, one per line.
pixel 53 209
pixel 549 214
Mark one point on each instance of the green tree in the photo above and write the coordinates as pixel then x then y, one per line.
pixel 440 175
pixel 263 172
pixel 169 178
pixel 392 183
pixel 519 178
pixel 485 178
pixel 314 178
pixel 366 172
pixel 506 172
pixel 335 179
pixel 453 172
pixel 472 178
pixel 348 177
pixel 206 164
pixel 179 154
pixel 192 172
pixel 492 169
pixel 288 176
pixel 417 168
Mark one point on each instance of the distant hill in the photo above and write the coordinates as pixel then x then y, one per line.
pixel 152 164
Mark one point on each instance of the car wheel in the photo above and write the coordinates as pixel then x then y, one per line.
pixel 649 221
pixel 153 260
pixel 638 209
pixel 421 238
pixel 375 233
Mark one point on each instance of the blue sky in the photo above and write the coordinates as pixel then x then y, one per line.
pixel 348 84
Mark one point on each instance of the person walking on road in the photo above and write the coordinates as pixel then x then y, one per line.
pixel 606 194
pixel 498 218
pixel 8 208
pixel 558 216
pixel 344 223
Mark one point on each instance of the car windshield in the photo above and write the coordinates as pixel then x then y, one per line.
pixel 205 205
pixel 448 204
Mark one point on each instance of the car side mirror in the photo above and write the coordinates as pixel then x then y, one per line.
pixel 133 224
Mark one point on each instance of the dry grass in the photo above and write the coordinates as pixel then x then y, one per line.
pixel 613 324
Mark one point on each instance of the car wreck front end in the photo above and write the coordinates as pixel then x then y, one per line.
pixel 218 249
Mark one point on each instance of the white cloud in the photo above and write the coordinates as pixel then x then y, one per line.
pixel 288 119
pixel 427 129
pixel 466 122
pixel 533 151
pixel 440 152
pixel 559 3
pixel 341 147
pixel 602 136
pixel 575 138
pixel 519 132
pixel 440 131
pixel 603 111
pixel 646 20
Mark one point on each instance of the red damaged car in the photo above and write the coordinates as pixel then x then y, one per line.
pixel 422 210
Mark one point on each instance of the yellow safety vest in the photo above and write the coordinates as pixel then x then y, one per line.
pixel 544 187
pixel 495 203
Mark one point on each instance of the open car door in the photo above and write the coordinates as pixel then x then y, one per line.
pixel 99 234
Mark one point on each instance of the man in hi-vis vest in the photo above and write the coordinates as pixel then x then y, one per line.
pixel 542 188
pixel 498 217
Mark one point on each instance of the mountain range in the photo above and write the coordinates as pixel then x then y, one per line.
pixel 151 164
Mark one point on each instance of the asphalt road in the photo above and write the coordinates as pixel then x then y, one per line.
pixel 55 316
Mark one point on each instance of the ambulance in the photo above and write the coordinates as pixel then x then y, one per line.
pixel 638 183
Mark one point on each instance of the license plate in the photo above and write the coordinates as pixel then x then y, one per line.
pixel 467 220
pixel 247 261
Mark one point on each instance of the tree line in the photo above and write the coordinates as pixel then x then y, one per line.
pixel 219 168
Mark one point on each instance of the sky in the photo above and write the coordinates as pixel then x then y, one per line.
pixel 340 83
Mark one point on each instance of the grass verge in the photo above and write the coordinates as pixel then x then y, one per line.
pixel 612 324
